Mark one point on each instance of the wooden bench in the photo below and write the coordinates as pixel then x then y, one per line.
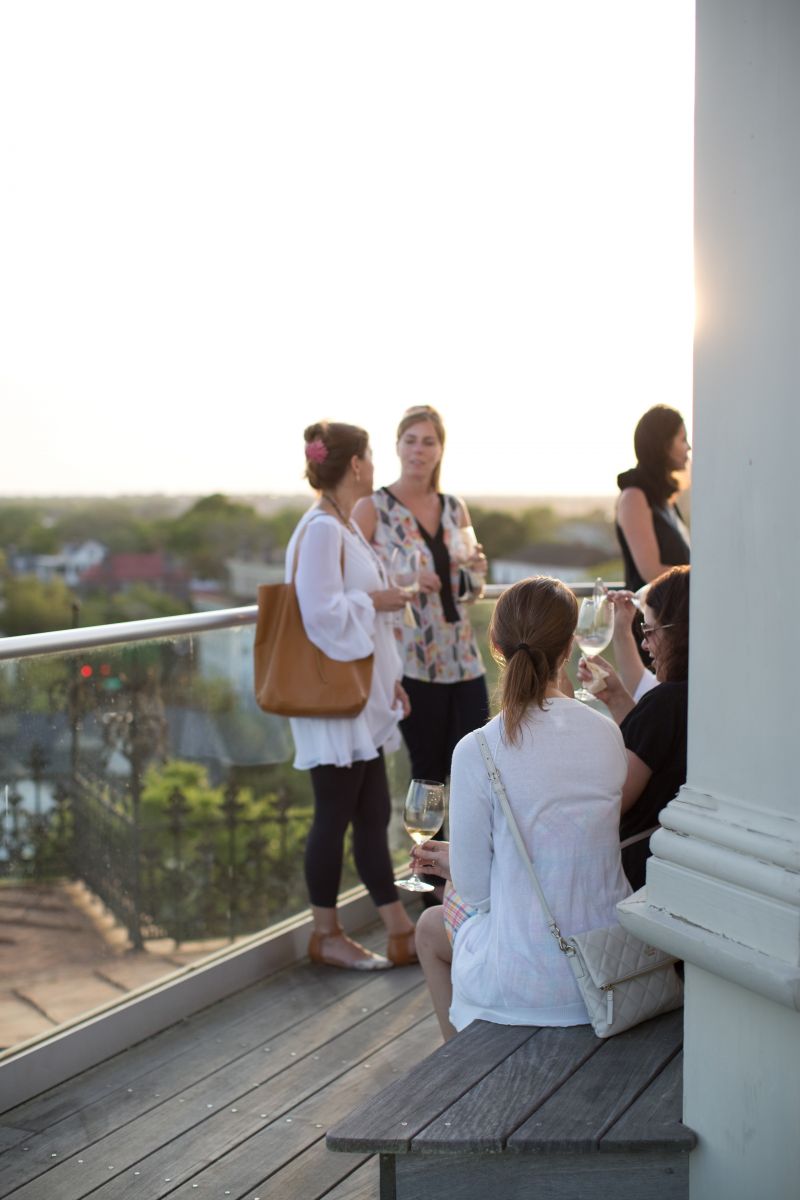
pixel 507 1111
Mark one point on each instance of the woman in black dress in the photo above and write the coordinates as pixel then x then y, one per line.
pixel 650 530
pixel 654 730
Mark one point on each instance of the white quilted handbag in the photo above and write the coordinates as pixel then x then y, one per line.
pixel 622 980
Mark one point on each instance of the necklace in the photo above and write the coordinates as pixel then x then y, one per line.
pixel 345 520
pixel 357 533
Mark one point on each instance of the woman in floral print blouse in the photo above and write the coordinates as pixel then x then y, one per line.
pixel 443 672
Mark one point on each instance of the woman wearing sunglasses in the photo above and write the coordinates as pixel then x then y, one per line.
pixel 654 729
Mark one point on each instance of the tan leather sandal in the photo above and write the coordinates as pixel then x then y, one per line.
pixel 321 949
pixel 401 949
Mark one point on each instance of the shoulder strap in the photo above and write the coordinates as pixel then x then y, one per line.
pixel 500 791
pixel 297 547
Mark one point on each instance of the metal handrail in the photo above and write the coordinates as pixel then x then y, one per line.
pixel 63 640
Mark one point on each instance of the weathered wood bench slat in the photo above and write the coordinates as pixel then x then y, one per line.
pixel 597 1096
pixel 537 1177
pixel 653 1121
pixel 388 1123
pixel 556 1115
pixel 489 1112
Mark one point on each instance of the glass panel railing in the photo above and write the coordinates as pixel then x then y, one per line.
pixel 149 814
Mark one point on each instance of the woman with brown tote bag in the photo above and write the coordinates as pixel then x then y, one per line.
pixel 347 606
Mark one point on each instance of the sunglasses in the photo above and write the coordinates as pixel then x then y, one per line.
pixel 649 630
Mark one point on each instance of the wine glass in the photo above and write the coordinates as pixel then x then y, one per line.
pixel 422 816
pixel 594 631
pixel 404 574
pixel 463 546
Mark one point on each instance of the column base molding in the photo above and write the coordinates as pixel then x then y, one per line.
pixel 731 871
pixel 749 968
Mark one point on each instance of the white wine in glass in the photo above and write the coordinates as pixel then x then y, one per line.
pixel 422 816
pixel 404 574
pixel 463 548
pixel 593 632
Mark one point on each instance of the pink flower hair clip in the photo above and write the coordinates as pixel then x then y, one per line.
pixel 316 451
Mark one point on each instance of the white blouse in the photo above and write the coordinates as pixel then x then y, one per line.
pixel 340 618
pixel 564 782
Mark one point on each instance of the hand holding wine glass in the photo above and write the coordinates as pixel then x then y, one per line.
pixel 594 631
pixel 404 574
pixel 466 551
pixel 423 816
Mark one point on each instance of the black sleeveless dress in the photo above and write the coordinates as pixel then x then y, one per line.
pixel 673 547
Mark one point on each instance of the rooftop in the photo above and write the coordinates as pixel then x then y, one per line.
pixel 233 1101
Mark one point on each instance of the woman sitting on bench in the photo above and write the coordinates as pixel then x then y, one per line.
pixel 563 766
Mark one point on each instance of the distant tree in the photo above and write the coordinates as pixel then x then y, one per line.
pixel 539 524
pixel 19 525
pixel 282 523
pixel 215 529
pixel 41 539
pixel 111 522
pixel 136 603
pixel 500 532
pixel 30 606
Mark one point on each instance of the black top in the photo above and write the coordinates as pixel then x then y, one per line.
pixel 673 549
pixel 656 732
pixel 441 561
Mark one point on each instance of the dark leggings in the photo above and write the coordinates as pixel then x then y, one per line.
pixel 441 714
pixel 357 795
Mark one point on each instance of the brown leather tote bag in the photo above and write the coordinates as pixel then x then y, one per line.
pixel 293 677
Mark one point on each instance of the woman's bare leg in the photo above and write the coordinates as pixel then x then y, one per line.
pixel 435 954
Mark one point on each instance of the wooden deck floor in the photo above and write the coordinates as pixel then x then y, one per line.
pixel 232 1103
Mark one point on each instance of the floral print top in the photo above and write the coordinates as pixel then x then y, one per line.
pixel 434 650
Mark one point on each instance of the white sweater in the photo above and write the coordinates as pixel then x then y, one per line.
pixel 564 783
pixel 340 618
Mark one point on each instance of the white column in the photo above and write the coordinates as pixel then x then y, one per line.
pixel 723 886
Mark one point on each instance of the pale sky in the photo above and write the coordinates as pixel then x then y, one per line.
pixel 222 221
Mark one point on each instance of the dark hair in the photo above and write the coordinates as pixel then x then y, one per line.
pixel 668 598
pixel 414 416
pixel 340 443
pixel 531 630
pixel 652 438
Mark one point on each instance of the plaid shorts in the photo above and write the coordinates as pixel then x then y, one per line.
pixel 455 912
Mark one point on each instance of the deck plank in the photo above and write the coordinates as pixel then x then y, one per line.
pixel 225 1107
pixel 363 1184
pixel 309 1176
pixel 484 1118
pixel 581 1111
pixel 654 1120
pixel 268 1151
pixel 442 1079
pixel 299 988
pixel 225 1049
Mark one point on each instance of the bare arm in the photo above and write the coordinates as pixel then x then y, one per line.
pixel 365 516
pixel 637 780
pixel 626 652
pixel 636 522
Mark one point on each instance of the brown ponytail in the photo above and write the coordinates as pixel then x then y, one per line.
pixel 530 632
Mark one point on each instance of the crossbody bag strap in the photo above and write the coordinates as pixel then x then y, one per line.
pixel 500 791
